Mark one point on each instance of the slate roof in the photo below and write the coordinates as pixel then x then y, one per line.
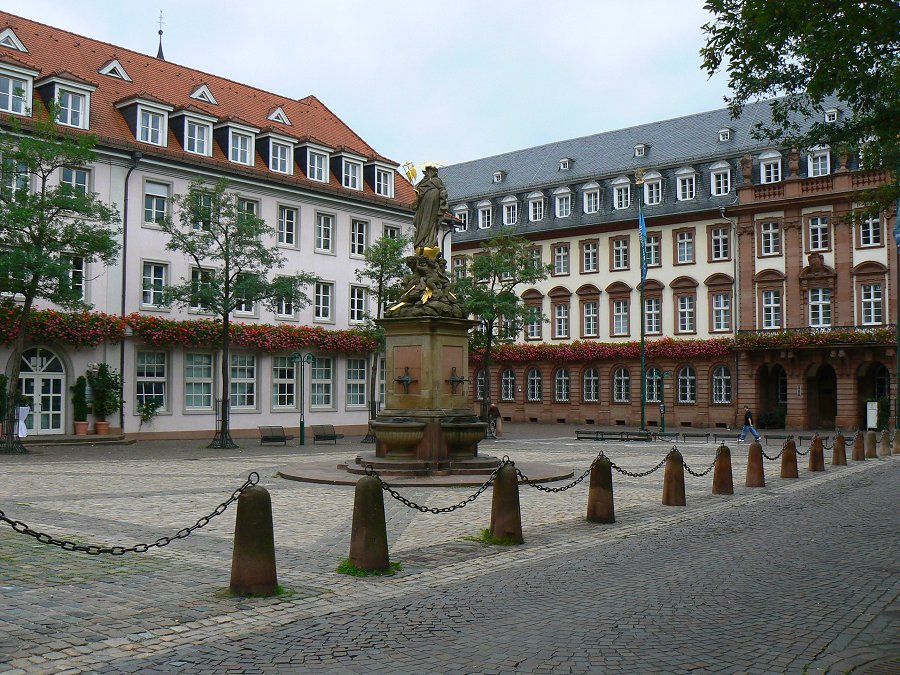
pixel 690 141
pixel 51 50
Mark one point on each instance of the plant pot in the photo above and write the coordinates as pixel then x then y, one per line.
pixel 81 428
pixel 101 428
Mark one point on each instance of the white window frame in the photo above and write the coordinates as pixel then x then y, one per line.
pixel 358 304
pixel 321 383
pixel 770 167
pixel 359 237
pixel 281 157
pixel 870 231
pixel 820 307
pixel 653 316
pixel 243 381
pixel 198 144
pixel 770 237
pixel 590 257
pixel 621 195
pixel 197 274
pixel 620 317
pixel 66 113
pixel 508 385
pixel 620 253
pixel 720 244
pixel 463 216
pixel 536 209
pixel 317 165
pixel 563 205
pixel 590 385
pixel 323 305
pixel 653 191
pixel 592 200
pixel 687 186
pixel 534 385
pixel 147 131
pixel 721 311
pixel 324 233
pixel 562 385
pixel 653 385
pixel 240 147
pixel 590 316
pixel 721 385
pixel 201 375
pixel 284 383
pixel 819 233
pixel 687 385
pixel 771 309
pixel 561 259
pixel 384 182
pixel 285 309
pixel 351 173
pixel 356 389
pixel 561 321
pixel 286 233
pixel 510 213
pixel 687 313
pixel 153 285
pixel 71 177
pixel 18 80
pixel 720 179
pixel 818 162
pixel 653 250
pixel 151 385
pixel 621 385
pixel 872 300
pixel 685 247
pixel 485 216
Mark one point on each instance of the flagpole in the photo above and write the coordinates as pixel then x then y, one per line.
pixel 642 239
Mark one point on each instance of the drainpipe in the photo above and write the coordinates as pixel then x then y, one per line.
pixel 135 159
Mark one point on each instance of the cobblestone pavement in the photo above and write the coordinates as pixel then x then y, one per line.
pixel 800 576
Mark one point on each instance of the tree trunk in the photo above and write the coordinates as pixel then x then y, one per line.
pixel 486 368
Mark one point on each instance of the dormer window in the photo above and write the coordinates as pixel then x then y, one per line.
pixel 278 115
pixel 563 201
pixel 384 182
pixel 277 151
pixel 73 96
pixel 485 214
pixel 352 174
pixel 238 140
pixel 148 119
pixel 114 69
pixel 621 193
pixel 535 206
pixel 687 184
pixel 770 167
pixel 461 212
pixel 818 161
pixel 15 89
pixel 720 179
pixel 498 176
pixel 652 188
pixel 203 93
pixel 640 150
pixel 831 116
pixel 724 135
pixel 510 206
pixel 317 165
pixel 565 164
pixel 591 197
pixel 240 147
pixel 8 38
pixel 193 130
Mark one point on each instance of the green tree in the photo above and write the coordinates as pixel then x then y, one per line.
pixel 383 270
pixel 806 52
pixel 52 226
pixel 231 267
pixel 488 292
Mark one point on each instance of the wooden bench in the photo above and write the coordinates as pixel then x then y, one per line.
pixel 777 437
pixel 637 436
pixel 273 435
pixel 800 439
pixel 667 435
pixel 325 432
pixel 598 435
pixel 686 435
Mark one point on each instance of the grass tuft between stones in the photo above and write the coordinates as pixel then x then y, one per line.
pixel 280 591
pixel 487 539
pixel 347 567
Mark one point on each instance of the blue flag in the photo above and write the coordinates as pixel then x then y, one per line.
pixel 643 237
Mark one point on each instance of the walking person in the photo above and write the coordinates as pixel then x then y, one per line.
pixel 748 424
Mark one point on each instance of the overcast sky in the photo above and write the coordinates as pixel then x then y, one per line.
pixel 432 80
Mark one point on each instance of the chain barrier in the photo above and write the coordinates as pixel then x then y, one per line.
pixel 94 549
pixel 370 471
pixel 642 474
pixel 543 488
pixel 708 469
pixel 800 453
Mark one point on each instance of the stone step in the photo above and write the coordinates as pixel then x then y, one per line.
pixel 90 439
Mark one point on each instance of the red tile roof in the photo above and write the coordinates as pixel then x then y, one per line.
pixel 52 50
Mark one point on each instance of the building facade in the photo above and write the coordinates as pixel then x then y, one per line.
pixel 325 191
pixel 765 284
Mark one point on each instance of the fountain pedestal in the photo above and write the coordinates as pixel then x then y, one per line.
pixel 427 393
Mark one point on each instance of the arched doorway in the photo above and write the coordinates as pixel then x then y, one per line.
pixel 873 382
pixel 821 396
pixel 772 386
pixel 42 380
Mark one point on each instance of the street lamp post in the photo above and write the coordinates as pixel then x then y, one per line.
pixel 302 359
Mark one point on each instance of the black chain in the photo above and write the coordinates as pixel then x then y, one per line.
pixel 708 469
pixel 370 471
pixel 803 454
pixel 94 549
pixel 543 488
pixel 642 474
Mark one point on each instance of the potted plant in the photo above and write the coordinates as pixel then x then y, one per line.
pixel 106 387
pixel 80 405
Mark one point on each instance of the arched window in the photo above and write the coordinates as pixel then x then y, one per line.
pixel 479 385
pixel 508 385
pixel 721 384
pixel 534 385
pixel 590 385
pixel 654 385
pixel 621 385
pixel 687 385
pixel 561 385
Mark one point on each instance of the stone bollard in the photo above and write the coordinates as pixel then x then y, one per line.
pixel 859 450
pixel 885 443
pixel 506 516
pixel 816 454
pixel 253 557
pixel 789 460
pixel 839 451
pixel 723 482
pixel 673 481
pixel 897 442
pixel 600 493
pixel 368 534
pixel 756 475
pixel 871 452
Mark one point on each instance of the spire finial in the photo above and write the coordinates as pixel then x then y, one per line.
pixel 159 52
